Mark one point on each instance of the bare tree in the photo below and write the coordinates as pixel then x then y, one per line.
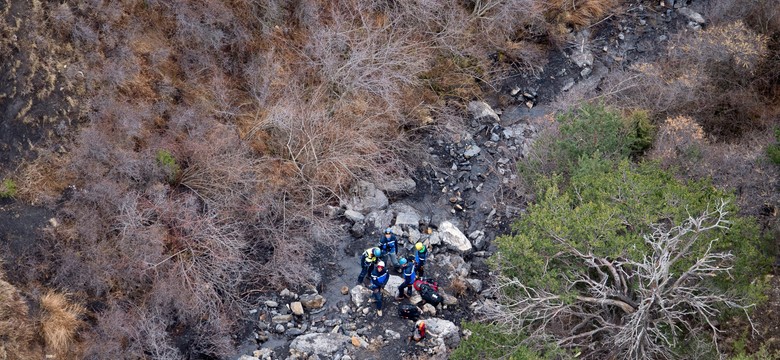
pixel 628 308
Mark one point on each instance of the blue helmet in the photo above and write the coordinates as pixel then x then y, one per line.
pixel 377 252
pixel 402 261
pixel 388 231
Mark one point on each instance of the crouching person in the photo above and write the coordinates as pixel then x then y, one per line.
pixel 379 278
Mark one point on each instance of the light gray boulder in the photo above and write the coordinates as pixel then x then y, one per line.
pixel 326 344
pixel 454 238
pixel 444 329
pixel 481 111
pixel 366 198
pixel 360 295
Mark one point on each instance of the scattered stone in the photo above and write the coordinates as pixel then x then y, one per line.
pixel 280 319
pixel 568 85
pixel 392 334
pixel 585 72
pixel 293 332
pixel 429 309
pixel 453 237
pixel 279 328
pixel 344 290
pixel 54 223
pixel 264 353
pixel 471 151
pixel 449 299
pixel 359 342
pixel 319 344
pixel 247 357
pixel 445 330
pixel 297 308
pixel 313 301
pixel 691 15
pixel 392 285
pixel 582 58
pixel 360 295
pixel 475 284
pixel 271 304
pixel 482 111
pixel 353 216
pixel 288 293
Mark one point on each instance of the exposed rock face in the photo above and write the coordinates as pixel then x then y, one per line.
pixel 319 344
pixel 398 187
pixel 366 198
pixel 453 237
pixel 392 285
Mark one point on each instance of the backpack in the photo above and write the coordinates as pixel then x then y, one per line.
pixel 408 311
pixel 429 295
pixel 425 281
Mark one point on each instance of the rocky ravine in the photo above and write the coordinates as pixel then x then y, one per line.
pixel 457 203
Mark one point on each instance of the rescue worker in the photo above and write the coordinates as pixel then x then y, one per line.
pixel 420 255
pixel 408 268
pixel 379 278
pixel 388 245
pixel 367 261
pixel 418 333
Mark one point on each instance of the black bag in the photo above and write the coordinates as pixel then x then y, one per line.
pixel 430 295
pixel 408 311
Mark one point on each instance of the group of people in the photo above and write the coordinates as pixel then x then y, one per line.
pixel 372 263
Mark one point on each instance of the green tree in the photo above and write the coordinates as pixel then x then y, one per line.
pixel 626 258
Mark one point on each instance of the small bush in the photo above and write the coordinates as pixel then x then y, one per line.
pixel 60 320
pixel 7 188
pixel 492 342
pixel 169 165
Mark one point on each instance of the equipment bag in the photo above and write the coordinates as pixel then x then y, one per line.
pixel 430 295
pixel 425 281
pixel 408 311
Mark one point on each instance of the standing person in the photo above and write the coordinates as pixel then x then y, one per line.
pixel 408 269
pixel 379 278
pixel 367 260
pixel 388 245
pixel 420 256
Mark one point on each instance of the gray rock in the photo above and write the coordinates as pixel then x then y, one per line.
pixel 429 309
pixel 293 332
pixel 471 151
pixel 319 344
pixel 359 295
pixel 478 239
pixel 443 329
pixel 247 357
pixel 449 299
pixel 453 264
pixel 454 238
pixel 408 219
pixel 312 301
pixel 358 229
pixel 483 112
pixel 585 72
pixel 415 299
pixel 392 334
pixel 392 285
pixel 264 353
pixel 568 85
pixel 379 219
pixel 280 328
pixel 353 216
pixel 297 308
pixel 494 137
pixel 475 284
pixel 434 239
pixel 414 235
pixel 691 15
pixel 366 198
pixel 398 187
pixel 288 293
pixel 582 58
pixel 271 304
pixel 281 319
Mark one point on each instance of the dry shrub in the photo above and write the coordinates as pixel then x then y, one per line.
pixel 577 13
pixel 742 164
pixel 711 76
pixel 60 321
pixel 19 341
pixel 458 286
pixel 40 181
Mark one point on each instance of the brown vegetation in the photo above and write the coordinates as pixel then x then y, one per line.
pixel 60 320
pixel 16 329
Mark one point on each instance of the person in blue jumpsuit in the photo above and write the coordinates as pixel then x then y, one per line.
pixel 388 245
pixel 420 256
pixel 379 278
pixel 408 268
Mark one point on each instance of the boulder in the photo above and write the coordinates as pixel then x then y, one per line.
pixel 360 295
pixel 379 219
pixel 358 229
pixel 434 239
pixel 312 301
pixel 296 308
pixel 353 216
pixel 475 284
pixel 398 187
pixel 392 285
pixel 319 344
pixel 415 299
pixel 582 58
pixel 408 219
pixel 443 329
pixel 392 334
pixel 453 265
pixel 449 299
pixel 366 198
pixel 453 237
pixel 429 309
pixel 692 15
pixel 481 111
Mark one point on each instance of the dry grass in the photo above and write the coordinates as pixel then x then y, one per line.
pixel 60 322
pixel 458 287
pixel 577 13
pixel 17 335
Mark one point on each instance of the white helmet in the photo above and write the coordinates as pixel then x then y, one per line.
pixel 380 264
